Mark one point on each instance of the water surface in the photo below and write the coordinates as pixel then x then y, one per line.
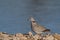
pixel 14 15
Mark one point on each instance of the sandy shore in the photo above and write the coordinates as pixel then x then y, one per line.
pixel 28 36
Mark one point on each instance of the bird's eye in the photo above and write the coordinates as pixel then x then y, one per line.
pixel 33 21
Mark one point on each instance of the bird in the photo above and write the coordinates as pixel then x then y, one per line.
pixel 37 28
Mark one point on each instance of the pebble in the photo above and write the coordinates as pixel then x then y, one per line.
pixel 20 36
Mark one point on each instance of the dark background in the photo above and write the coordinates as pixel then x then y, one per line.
pixel 14 15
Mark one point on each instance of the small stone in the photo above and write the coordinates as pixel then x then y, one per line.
pixel 30 34
pixel 36 37
pixel 49 37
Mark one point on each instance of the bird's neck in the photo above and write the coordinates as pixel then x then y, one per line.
pixel 33 23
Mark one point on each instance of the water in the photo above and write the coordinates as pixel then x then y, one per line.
pixel 14 15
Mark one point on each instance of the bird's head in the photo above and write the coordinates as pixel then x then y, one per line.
pixel 32 19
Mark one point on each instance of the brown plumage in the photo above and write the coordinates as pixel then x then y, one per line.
pixel 37 28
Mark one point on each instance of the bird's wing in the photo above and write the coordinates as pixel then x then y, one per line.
pixel 41 27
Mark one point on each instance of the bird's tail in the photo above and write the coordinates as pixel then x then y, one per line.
pixel 47 30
